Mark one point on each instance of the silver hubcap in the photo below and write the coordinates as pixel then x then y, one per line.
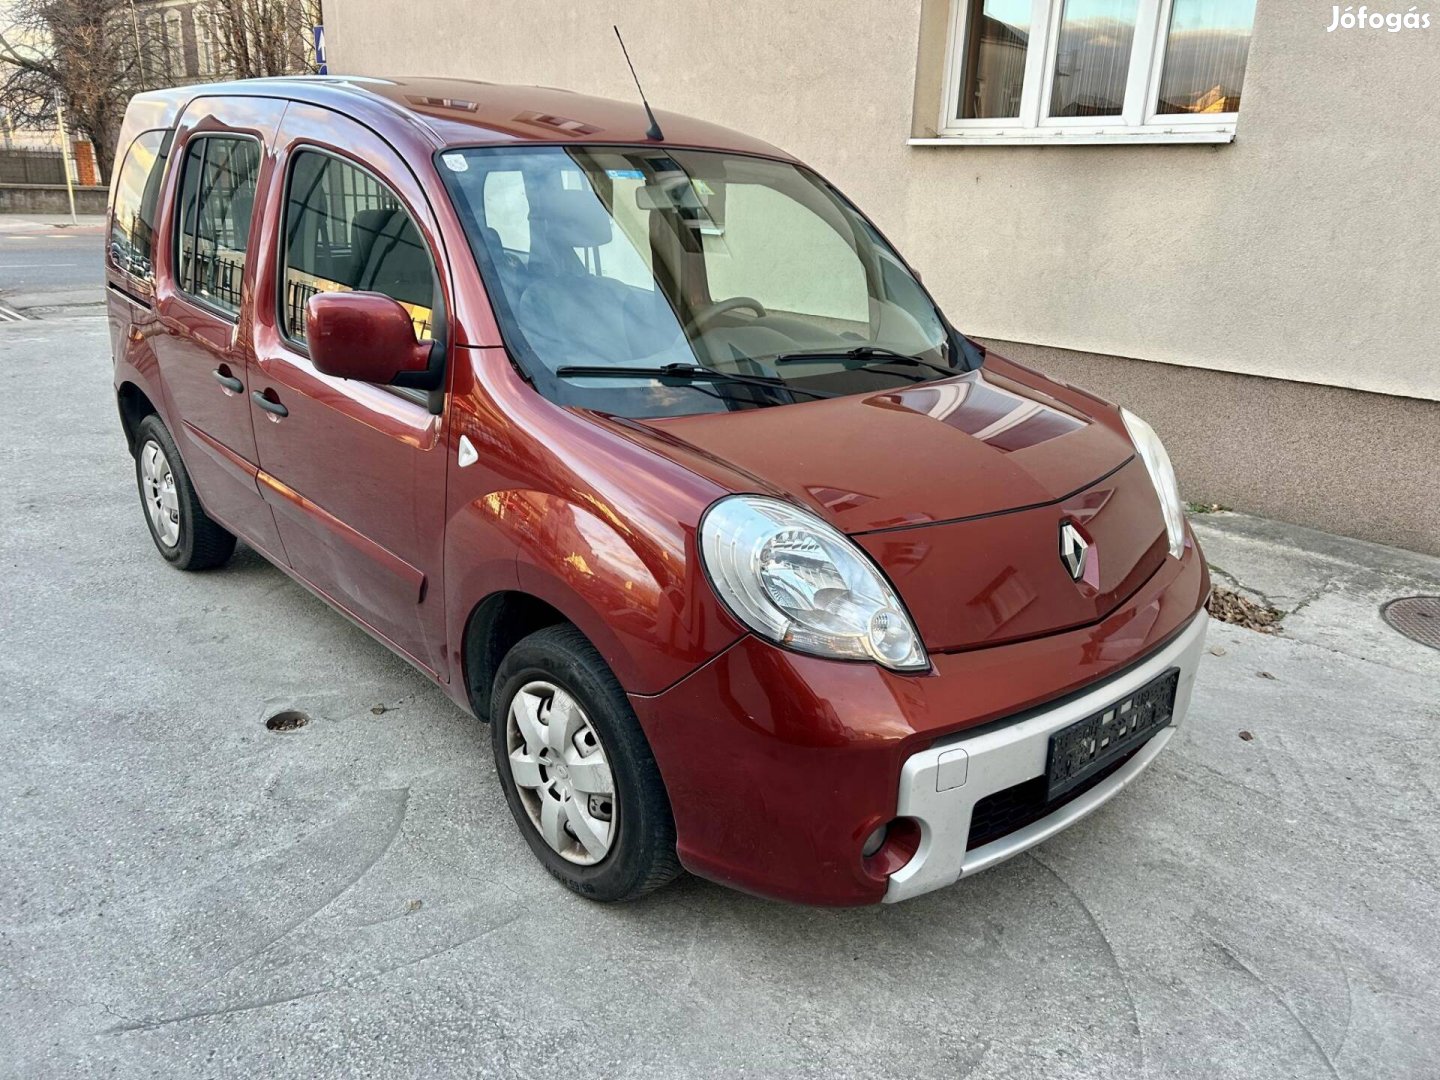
pixel 561 772
pixel 161 501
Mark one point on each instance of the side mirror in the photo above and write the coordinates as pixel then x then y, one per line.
pixel 363 335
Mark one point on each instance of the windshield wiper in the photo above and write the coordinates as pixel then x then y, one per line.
pixel 683 373
pixel 865 352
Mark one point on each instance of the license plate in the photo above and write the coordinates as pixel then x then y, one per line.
pixel 1087 746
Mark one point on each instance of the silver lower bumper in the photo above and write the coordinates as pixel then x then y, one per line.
pixel 968 768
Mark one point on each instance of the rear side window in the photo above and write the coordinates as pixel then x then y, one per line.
pixel 217 199
pixel 137 193
pixel 346 231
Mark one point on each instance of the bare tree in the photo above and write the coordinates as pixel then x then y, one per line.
pixel 86 52
pixel 260 38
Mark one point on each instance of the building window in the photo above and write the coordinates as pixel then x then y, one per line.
pixel 1092 71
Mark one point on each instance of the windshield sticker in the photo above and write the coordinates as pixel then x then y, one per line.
pixel 455 162
pixel 625 174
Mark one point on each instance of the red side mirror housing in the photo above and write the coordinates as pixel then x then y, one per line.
pixel 363 335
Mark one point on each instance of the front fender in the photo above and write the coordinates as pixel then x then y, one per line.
pixel 636 592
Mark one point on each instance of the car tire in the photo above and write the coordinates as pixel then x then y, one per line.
pixel 559 720
pixel 185 536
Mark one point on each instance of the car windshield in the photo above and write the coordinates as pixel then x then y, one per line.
pixel 648 258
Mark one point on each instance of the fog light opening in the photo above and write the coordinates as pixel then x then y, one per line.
pixel 873 841
pixel 890 847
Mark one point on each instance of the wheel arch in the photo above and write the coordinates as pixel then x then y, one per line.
pixel 495 625
pixel 134 406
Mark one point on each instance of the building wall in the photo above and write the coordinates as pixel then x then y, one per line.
pixel 1305 252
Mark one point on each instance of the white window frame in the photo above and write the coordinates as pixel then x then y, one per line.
pixel 1138 123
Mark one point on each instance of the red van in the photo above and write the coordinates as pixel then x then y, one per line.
pixel 649 449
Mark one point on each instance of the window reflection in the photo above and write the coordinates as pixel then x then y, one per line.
pixel 997 37
pixel 1205 54
pixel 1092 59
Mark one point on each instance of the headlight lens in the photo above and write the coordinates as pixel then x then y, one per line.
pixel 1162 475
pixel 792 578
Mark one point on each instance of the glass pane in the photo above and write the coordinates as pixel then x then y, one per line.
pixel 137 188
pixel 814 274
pixel 190 186
pixel 227 199
pixel 1092 60
pixel 640 257
pixel 997 36
pixel 1205 54
pixel 345 231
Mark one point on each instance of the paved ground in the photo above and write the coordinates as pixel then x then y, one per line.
pixel 50 267
pixel 187 893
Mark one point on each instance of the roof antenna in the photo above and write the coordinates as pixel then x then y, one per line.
pixel 654 134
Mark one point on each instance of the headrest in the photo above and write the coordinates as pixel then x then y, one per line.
pixel 576 219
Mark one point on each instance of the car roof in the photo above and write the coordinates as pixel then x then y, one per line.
pixel 463 112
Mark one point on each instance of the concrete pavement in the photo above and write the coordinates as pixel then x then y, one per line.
pixel 187 893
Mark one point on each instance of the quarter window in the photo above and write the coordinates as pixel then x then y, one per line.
pixel 217 200
pixel 1055 71
pixel 137 192
pixel 346 231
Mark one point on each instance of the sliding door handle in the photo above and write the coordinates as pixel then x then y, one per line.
pixel 269 404
pixel 228 381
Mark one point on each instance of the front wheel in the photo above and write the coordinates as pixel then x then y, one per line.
pixel 577 771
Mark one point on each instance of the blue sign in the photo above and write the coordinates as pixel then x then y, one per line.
pixel 320 66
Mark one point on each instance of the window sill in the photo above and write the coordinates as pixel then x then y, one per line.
pixel 1075 136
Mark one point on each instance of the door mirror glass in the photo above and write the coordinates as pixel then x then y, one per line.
pixel 364 335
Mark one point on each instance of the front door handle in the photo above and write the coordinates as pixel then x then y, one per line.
pixel 269 404
pixel 228 381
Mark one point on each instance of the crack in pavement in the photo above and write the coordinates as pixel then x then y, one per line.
pixel 1279 998
pixel 284 999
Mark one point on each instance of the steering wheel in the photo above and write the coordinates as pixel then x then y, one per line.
pixel 709 311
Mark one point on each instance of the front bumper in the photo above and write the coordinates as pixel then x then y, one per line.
pixel 780 765
pixel 1011 754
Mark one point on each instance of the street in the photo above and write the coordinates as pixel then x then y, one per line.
pixel 187 892
pixel 49 266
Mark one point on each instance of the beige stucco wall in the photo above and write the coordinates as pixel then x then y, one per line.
pixel 1309 249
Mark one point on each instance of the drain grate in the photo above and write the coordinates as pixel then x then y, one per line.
pixel 1417 617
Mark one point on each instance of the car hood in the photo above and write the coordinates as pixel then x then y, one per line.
pixel 958 488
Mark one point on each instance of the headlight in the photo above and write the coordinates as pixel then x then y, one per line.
pixel 1162 475
pixel 793 579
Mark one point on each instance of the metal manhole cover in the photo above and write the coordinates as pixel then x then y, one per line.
pixel 1417 617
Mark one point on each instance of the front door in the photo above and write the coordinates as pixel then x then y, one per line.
pixel 355 472
pixel 201 333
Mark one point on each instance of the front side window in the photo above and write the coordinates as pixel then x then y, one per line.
pixel 1096 70
pixel 346 231
pixel 610 258
pixel 217 201
pixel 137 193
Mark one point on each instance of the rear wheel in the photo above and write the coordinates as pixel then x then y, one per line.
pixel 184 534
pixel 578 774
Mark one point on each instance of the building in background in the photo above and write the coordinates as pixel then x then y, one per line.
pixel 1220 214
pixel 158 43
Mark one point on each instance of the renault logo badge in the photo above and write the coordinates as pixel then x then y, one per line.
pixel 1074 550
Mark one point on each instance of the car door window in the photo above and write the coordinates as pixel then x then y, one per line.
pixel 217 200
pixel 347 231
pixel 137 192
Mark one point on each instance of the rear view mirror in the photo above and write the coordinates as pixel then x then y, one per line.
pixel 672 195
pixel 363 335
